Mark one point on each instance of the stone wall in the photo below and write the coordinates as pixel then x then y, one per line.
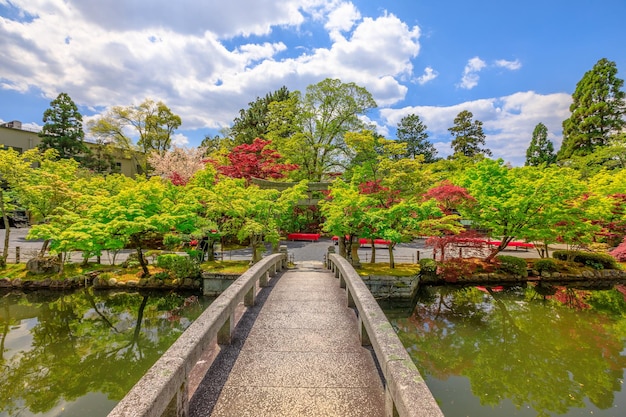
pixel 383 286
pixel 214 284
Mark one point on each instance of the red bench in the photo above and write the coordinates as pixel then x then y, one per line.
pixel 313 237
pixel 516 245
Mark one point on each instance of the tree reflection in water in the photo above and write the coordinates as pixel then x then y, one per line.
pixel 554 353
pixel 83 342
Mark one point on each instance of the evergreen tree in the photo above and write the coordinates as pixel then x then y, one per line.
pixel 540 150
pixel 63 128
pixel 468 135
pixel 597 111
pixel 412 131
pixel 253 122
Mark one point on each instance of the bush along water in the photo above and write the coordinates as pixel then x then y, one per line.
pixel 512 265
pixel 180 266
pixel 592 259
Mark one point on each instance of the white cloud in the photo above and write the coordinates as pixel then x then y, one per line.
pixel 510 65
pixel 342 19
pixel 428 75
pixel 179 140
pixel 508 121
pixel 470 73
pixel 123 53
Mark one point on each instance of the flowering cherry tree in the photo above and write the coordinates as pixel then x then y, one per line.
pixel 178 164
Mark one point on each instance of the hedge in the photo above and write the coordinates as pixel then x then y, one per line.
pixel 428 266
pixel 513 265
pixel 180 266
pixel 592 259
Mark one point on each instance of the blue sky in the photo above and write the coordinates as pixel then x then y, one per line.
pixel 512 64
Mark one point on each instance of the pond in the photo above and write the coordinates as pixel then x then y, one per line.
pixel 78 354
pixel 556 351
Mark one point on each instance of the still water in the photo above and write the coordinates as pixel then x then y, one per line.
pixel 77 354
pixel 519 351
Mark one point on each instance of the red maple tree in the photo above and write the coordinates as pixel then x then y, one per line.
pixel 449 196
pixel 255 160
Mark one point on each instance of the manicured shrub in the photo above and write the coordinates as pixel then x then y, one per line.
pixel 592 259
pixel 180 266
pixel 545 265
pixel 512 265
pixel 428 266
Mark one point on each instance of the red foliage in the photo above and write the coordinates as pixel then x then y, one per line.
pixel 385 195
pixel 449 196
pixel 255 160
pixel 619 253
pixel 453 269
pixel 614 228
pixel 177 179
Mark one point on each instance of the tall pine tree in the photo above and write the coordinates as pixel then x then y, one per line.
pixel 412 131
pixel 597 111
pixel 253 122
pixel 468 136
pixel 541 150
pixel 63 128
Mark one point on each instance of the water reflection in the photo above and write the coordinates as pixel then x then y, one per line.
pixel 556 351
pixel 79 353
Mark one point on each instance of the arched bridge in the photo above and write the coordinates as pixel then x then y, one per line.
pixel 309 341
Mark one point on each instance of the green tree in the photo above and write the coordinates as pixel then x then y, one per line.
pixel 47 189
pixel 541 150
pixel 345 214
pixel 597 111
pixel 310 130
pixel 468 136
pixel 366 149
pixel 568 214
pixel 412 131
pixel 153 123
pixel 139 212
pixel 14 167
pixel 517 202
pixel 253 122
pixel 63 128
pixel 250 213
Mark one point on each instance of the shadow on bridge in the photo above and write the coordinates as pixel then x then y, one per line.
pixel 210 387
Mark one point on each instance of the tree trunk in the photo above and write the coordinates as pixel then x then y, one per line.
pixel 255 243
pixel 392 261
pixel 61 263
pixel 373 261
pixel 341 240
pixel 210 252
pixel 7 232
pixel 354 251
pixel 503 244
pixel 44 248
pixel 142 262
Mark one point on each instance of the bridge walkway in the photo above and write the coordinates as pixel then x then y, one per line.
pixel 295 353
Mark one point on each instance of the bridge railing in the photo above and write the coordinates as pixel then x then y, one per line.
pixel 406 393
pixel 163 390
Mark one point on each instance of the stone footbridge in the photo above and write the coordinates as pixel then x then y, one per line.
pixel 308 342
